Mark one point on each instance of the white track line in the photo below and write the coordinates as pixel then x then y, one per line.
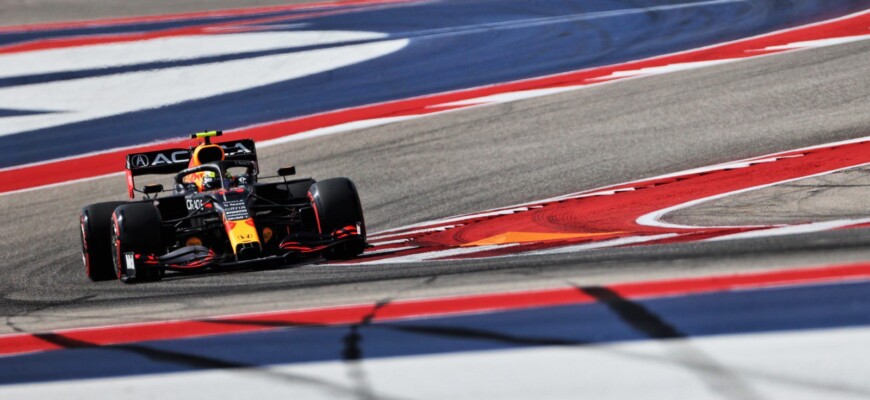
pixel 794 229
pixel 603 244
pixel 504 83
pixel 411 258
pixel 654 218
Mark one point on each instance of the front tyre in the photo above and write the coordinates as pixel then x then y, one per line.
pixel 95 222
pixel 338 211
pixel 136 230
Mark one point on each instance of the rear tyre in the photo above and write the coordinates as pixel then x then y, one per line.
pixel 136 229
pixel 95 223
pixel 337 207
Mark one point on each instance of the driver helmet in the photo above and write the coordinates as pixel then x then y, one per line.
pixel 210 181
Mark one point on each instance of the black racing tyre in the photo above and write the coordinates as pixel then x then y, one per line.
pixel 95 222
pixel 336 206
pixel 136 228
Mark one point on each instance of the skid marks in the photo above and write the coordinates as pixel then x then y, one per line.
pixel 627 214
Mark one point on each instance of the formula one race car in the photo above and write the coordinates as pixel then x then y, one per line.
pixel 218 214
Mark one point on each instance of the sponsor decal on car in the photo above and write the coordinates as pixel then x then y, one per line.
pixel 140 160
pixel 173 158
pixel 236 210
pixel 194 204
pixel 232 149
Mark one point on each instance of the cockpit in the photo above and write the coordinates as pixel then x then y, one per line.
pixel 217 175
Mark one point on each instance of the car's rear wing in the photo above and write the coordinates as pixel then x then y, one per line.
pixel 172 161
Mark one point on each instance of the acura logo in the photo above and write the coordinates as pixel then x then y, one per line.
pixel 140 160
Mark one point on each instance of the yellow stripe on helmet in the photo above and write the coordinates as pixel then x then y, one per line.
pixel 201 135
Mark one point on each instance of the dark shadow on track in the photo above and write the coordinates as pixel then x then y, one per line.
pixel 718 378
pixel 198 362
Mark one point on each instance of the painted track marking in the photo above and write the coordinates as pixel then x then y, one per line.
pixel 626 214
pixel 399 310
pixel 108 162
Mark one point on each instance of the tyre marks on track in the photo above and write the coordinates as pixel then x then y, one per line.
pixel 627 214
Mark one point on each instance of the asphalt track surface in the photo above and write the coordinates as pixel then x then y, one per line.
pixel 481 158
pixel 811 199
pixel 417 48
pixel 17 12
pixel 475 159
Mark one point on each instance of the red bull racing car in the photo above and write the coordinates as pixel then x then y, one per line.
pixel 217 214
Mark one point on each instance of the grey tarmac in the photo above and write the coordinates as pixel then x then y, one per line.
pixel 21 12
pixel 486 157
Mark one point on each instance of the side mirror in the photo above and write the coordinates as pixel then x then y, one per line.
pixel 153 188
pixel 287 171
